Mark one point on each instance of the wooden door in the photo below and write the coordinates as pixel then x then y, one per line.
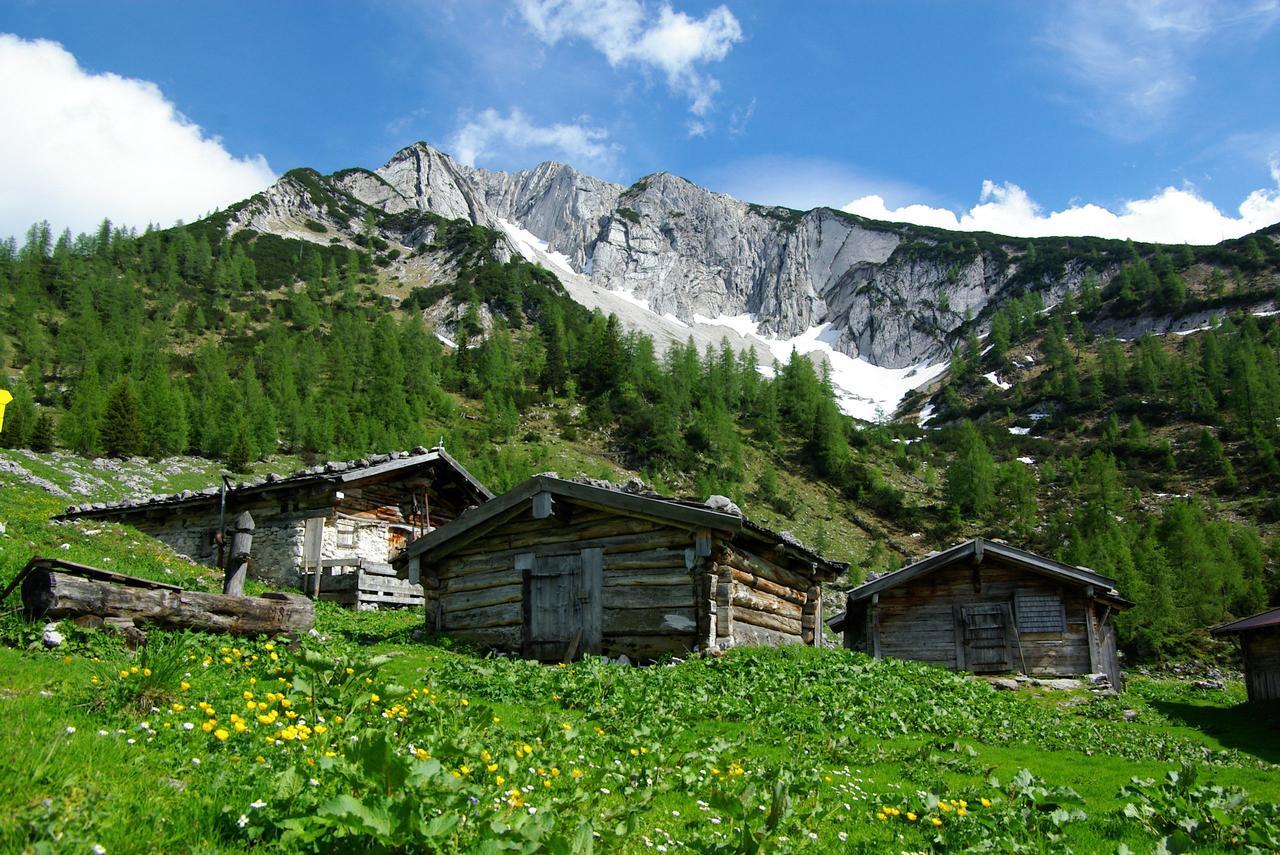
pixel 984 635
pixel 563 607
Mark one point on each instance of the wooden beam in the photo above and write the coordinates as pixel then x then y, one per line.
pixel 542 505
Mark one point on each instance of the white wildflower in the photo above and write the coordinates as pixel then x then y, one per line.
pixel 71 729
pixel 258 804
pixel 242 821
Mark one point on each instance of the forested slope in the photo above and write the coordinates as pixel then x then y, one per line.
pixel 190 341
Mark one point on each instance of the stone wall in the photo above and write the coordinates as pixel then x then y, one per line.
pixel 370 539
pixel 277 546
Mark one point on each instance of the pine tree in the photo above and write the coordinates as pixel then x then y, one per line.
pixel 121 421
pixel 19 418
pixel 45 432
pixel 240 454
pixel 971 477
pixel 80 428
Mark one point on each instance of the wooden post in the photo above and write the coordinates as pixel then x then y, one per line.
pixel 238 560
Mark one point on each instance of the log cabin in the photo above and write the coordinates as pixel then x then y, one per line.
pixel 354 514
pixel 1260 647
pixel 984 606
pixel 557 569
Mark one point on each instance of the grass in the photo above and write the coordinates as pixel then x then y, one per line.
pixel 785 750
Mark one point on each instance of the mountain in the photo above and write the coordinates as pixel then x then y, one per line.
pixel 885 304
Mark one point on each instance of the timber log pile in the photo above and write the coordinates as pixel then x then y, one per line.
pixel 56 589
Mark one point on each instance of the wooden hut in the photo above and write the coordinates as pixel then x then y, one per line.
pixel 345 518
pixel 1260 645
pixel 556 569
pixel 984 606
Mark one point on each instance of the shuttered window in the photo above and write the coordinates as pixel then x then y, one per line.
pixel 1040 613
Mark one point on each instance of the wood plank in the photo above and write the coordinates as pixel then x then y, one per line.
pixel 650 621
pixel 553 532
pixel 647 648
pixel 507 614
pixel 659 576
pixel 799 597
pixel 591 598
pixel 765 620
pixel 648 560
pixel 749 634
pixel 454 603
pixel 744 561
pixel 748 598
pixel 651 596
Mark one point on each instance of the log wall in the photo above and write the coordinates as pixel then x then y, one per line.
pixel 917 619
pixel 1261 649
pixel 759 602
pixel 648 596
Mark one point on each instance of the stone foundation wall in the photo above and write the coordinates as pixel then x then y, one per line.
pixel 371 540
pixel 277 547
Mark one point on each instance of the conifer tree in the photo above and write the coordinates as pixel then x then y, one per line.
pixel 971 477
pixel 80 427
pixel 122 422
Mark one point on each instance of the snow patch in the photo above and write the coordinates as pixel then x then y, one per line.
pixel 863 390
pixel 446 340
pixel 535 249
pixel 630 297
pixel 996 380
pixel 741 324
pixel 1030 461
pixel 1019 431
pixel 926 414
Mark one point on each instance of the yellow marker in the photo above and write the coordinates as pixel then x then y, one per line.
pixel 5 398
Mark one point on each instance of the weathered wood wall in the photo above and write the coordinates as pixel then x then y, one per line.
pixel 917 619
pixel 647 597
pixel 760 602
pixel 1261 649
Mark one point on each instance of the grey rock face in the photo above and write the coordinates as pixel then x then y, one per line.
pixel 688 251
pixel 682 249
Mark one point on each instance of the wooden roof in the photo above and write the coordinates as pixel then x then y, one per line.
pixel 691 514
pixel 1262 620
pixel 373 469
pixel 975 551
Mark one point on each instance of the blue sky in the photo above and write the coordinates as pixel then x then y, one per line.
pixel 1151 118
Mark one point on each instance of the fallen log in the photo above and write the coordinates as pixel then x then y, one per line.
pixel 47 593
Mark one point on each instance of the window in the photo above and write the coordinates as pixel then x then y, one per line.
pixel 346 535
pixel 1040 612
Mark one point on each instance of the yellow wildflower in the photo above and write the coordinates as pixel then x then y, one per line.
pixel 986 802
pixel 185 686
pixel 577 773
pixel 911 817
pixel 936 821
pixel 146 672
pixel 220 735
pixel 499 780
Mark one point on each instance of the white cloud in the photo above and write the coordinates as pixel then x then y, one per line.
pixel 739 119
pixel 696 128
pixel 77 147
pixel 1174 215
pixel 625 31
pixel 489 134
pixel 1138 57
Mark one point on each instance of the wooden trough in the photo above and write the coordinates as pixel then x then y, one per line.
pixel 56 589
pixel 363 585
